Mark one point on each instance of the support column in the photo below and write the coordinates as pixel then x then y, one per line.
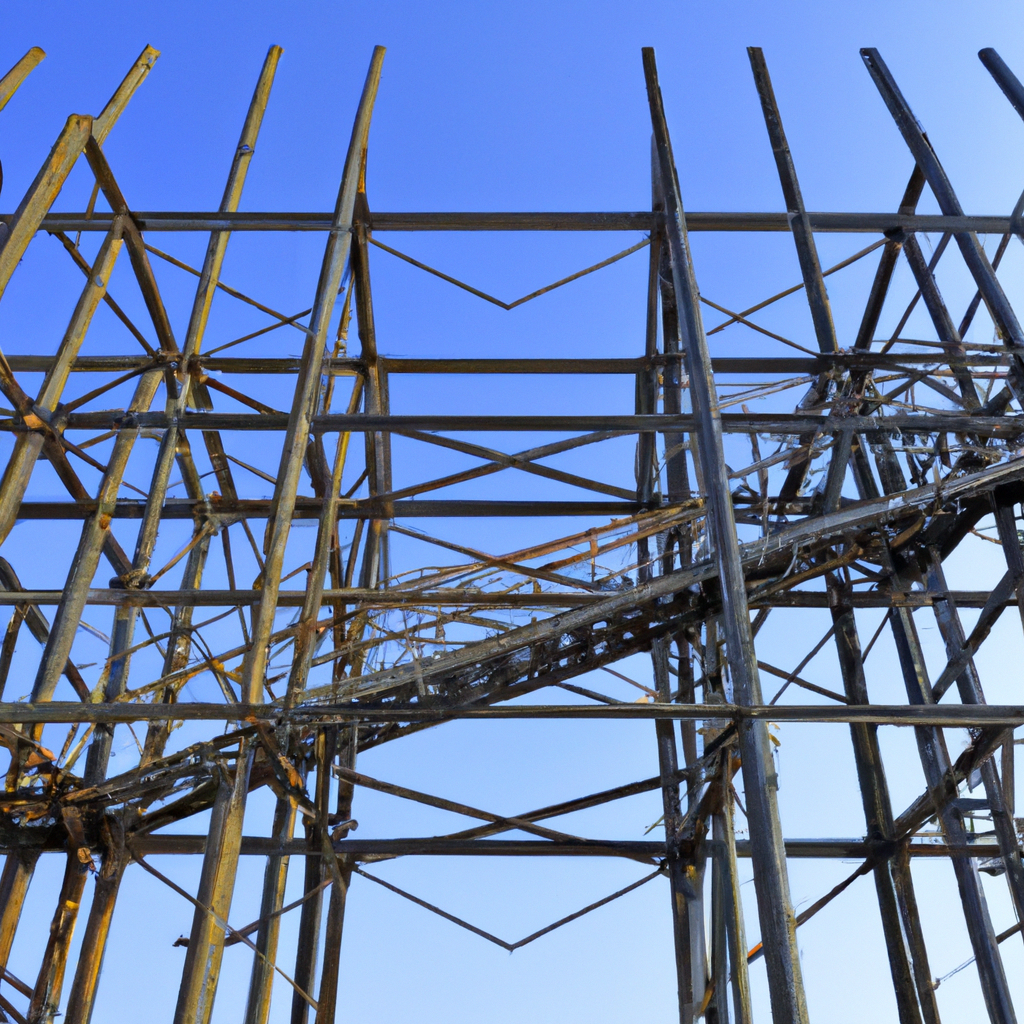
pixel 45 1002
pixel 684 879
pixel 327 997
pixel 969 685
pixel 908 962
pixel 275 877
pixel 216 887
pixel 308 947
pixel 82 997
pixel 724 829
pixel 936 764
pixel 200 976
pixel 778 923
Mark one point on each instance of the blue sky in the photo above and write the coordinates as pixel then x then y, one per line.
pixel 519 106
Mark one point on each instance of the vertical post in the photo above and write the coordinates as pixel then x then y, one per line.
pixel 45 1003
pixel 315 872
pixel 725 830
pixel 375 402
pixel 969 685
pixel 799 222
pixel 194 387
pixel 258 1007
pixel 675 444
pixel 297 435
pixel 814 289
pixel 174 445
pixel 1009 538
pixel 908 963
pixel 94 533
pixel 216 887
pixel 315 869
pixel 935 762
pixel 1007 771
pixel 687 901
pixel 718 1009
pixel 275 876
pixel 82 997
pixel 778 923
pixel 327 997
pixel 685 877
pixel 200 976
pixel 14 882
pixel 179 645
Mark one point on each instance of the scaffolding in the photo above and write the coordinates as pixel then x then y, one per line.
pixel 850 502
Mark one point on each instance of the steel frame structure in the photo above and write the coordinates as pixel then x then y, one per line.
pixel 864 497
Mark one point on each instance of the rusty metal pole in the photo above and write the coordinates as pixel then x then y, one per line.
pixel 686 894
pixel 778 923
pixel 216 887
pixel 327 996
pixel 200 977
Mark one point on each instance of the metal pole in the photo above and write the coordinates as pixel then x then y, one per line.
pixel 936 764
pixel 778 924
pixel 908 961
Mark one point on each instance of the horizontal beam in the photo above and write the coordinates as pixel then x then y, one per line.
pixel 762 423
pixel 874 223
pixel 953 716
pixel 722 364
pixel 260 846
pixel 309 508
pixel 452 598
pixel 763 366
pixel 294 598
pixel 877 599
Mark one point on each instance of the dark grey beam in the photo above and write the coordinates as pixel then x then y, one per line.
pixel 629 423
pixel 473 599
pixel 261 846
pixel 939 716
pixel 309 508
pixel 470 599
pixel 873 223
pixel 761 365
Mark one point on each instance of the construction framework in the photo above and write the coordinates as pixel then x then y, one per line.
pixel 853 501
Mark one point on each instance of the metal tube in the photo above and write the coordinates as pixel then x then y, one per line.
pixel 299 424
pixel 908 963
pixel 936 765
pixel 969 686
pixel 970 248
pixel 800 225
pixel 866 223
pixel 778 923
pixel 11 82
pixel 216 887
pixel 42 192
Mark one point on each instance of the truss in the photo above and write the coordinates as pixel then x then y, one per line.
pixel 858 469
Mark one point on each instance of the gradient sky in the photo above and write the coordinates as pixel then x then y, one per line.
pixel 525 106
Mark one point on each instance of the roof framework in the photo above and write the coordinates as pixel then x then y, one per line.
pixel 895 452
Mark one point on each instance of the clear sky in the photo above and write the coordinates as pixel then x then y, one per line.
pixel 521 106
